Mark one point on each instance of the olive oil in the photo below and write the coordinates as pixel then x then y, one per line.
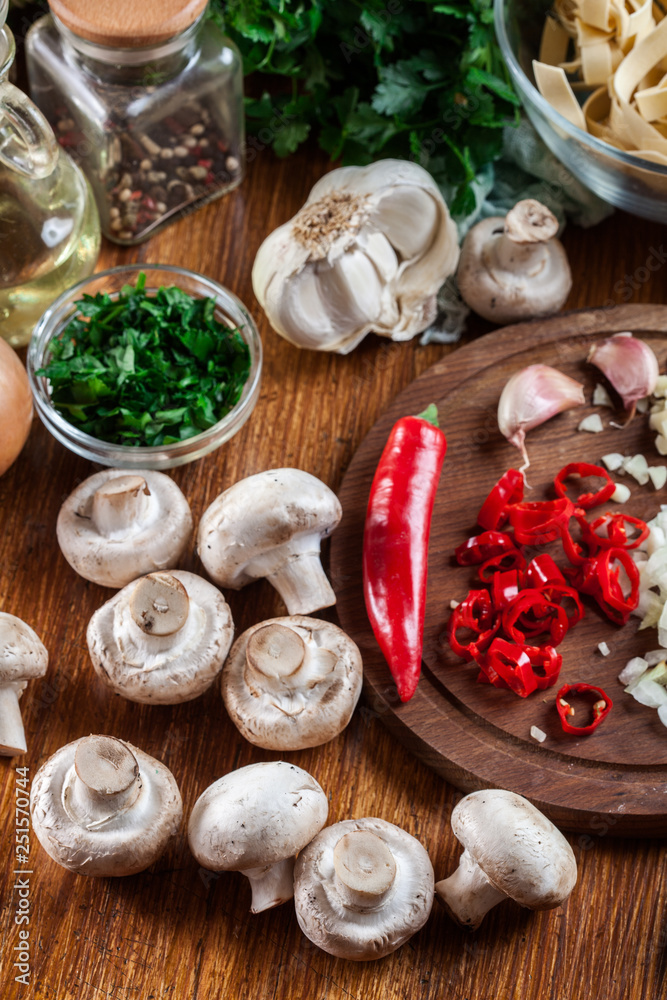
pixel 46 245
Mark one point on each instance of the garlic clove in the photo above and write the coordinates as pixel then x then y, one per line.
pixel 408 217
pixel 380 251
pixel 351 290
pixel 630 366
pixel 530 397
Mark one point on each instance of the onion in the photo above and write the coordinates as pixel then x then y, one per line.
pixel 15 406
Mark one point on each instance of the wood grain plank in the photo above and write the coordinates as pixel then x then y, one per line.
pixel 168 933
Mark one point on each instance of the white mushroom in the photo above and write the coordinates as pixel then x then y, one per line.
pixel 514 268
pixel 22 659
pixel 511 850
pixel 270 525
pixel 291 683
pixel 117 526
pixel 255 820
pixel 102 807
pixel 162 639
pixel 362 888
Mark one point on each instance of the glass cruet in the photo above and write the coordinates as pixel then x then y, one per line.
pixel 49 226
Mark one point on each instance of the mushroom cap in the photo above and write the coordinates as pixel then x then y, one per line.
pixel 117 560
pixel 182 666
pixel 289 714
pixel 519 850
pixel 532 280
pixel 265 516
pixel 256 816
pixel 125 844
pixel 349 932
pixel 22 653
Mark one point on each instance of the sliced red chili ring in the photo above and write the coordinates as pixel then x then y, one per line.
pixel 601 708
pixel 510 663
pixel 504 588
pixel 559 592
pixel 502 563
pixel 617 534
pixel 542 570
pixel 580 470
pixel 546 663
pixel 531 614
pixel 611 596
pixel 481 548
pixel 475 616
pixel 509 489
pixel 541 521
pixel 579 551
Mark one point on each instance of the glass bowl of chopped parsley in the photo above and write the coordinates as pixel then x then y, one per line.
pixel 145 366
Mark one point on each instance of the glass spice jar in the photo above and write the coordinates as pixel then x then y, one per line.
pixel 49 228
pixel 148 97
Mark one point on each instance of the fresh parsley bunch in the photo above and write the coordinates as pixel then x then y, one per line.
pixel 414 79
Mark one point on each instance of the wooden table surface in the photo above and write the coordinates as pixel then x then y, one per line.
pixel 177 932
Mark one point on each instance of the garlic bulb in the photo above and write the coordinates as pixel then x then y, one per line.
pixel 368 251
pixel 532 396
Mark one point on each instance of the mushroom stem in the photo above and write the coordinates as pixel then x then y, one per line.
pixel 274 655
pixel 365 870
pixel 105 783
pixel 120 503
pixel 467 894
pixel 528 226
pixel 271 885
pixel 159 604
pixel 12 734
pixel 302 584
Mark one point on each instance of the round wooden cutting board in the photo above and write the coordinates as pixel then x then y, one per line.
pixel 475 735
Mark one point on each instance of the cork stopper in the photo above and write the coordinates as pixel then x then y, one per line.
pixel 126 23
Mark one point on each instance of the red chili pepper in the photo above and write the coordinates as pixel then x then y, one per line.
pixel 581 469
pixel 508 490
pixel 579 551
pixel 395 549
pixel 480 548
pixel 601 708
pixel 541 521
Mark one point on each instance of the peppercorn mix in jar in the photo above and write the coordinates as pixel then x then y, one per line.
pixel 148 99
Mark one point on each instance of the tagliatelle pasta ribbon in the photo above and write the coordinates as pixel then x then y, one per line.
pixel 621 54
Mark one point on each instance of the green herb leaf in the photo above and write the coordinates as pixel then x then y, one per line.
pixel 125 369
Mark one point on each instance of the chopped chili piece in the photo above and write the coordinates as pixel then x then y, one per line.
pixel 475 616
pixel 542 570
pixel 579 551
pixel 512 559
pixel 508 490
pixel 580 470
pixel 531 614
pixel 511 663
pixel 546 663
pixel 600 709
pixel 481 548
pixel 541 521
pixel 617 535
pixel 504 588
pixel 617 601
